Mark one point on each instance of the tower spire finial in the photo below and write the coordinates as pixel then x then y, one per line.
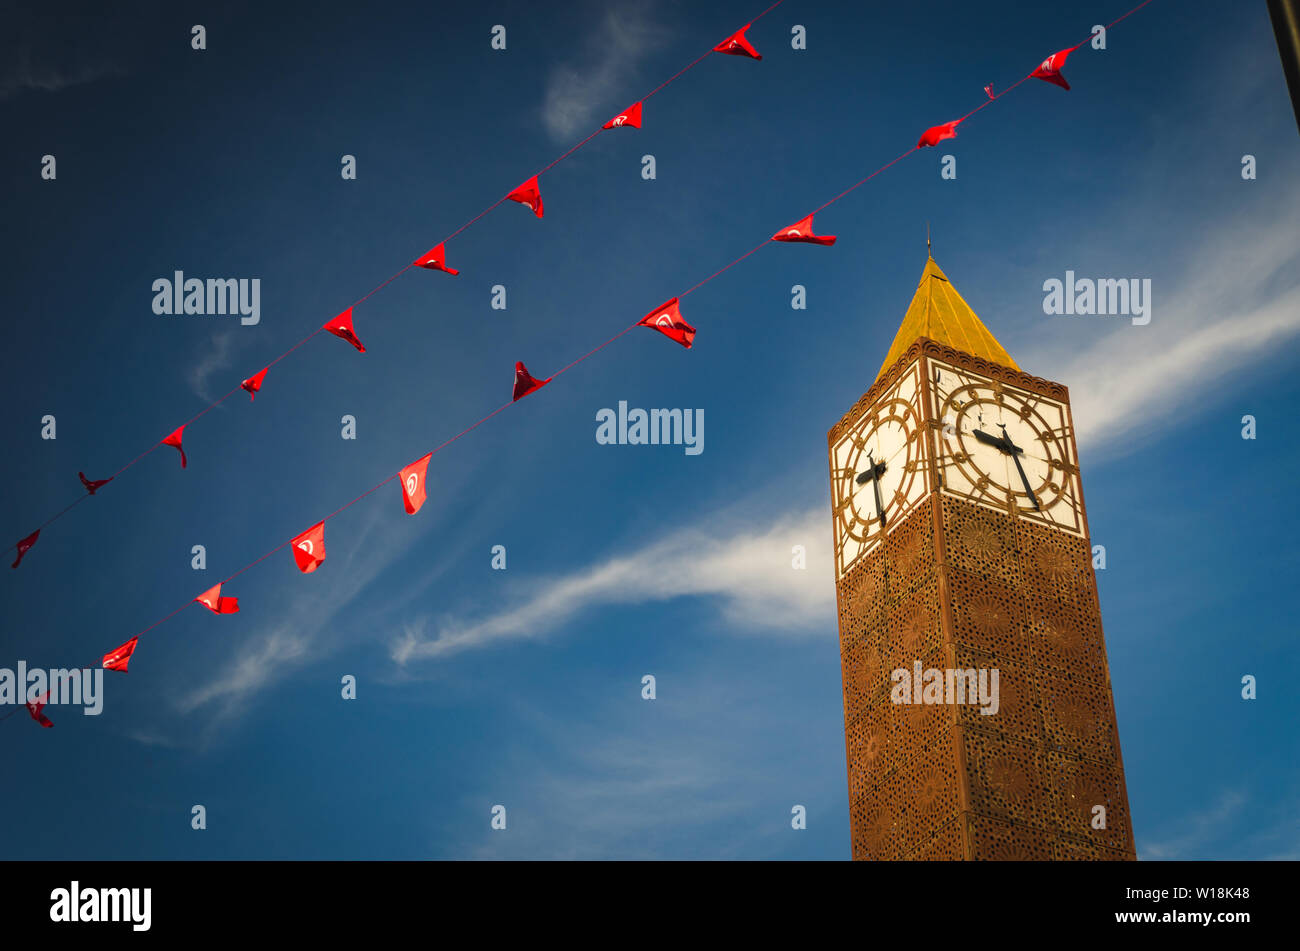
pixel 938 312
pixel 928 253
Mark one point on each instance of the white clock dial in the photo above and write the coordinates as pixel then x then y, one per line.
pixel 878 472
pixel 1006 448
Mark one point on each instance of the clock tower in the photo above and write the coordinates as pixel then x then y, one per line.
pixel 978 716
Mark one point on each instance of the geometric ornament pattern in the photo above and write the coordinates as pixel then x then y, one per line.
pixel 962 586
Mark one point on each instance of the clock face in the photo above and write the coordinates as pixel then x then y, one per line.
pixel 1006 448
pixel 877 471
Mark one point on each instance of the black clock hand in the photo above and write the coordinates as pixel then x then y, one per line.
pixel 873 475
pixel 880 503
pixel 1015 453
pixel 866 475
pixel 1024 479
pixel 1011 447
pixel 994 441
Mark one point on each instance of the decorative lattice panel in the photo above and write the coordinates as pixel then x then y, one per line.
pixel 913 627
pixel 877 833
pixel 1078 785
pixel 915 726
pixel 1069 850
pixel 909 553
pixel 988 616
pixel 865 675
pixel 861 596
pixel 980 542
pixel 1065 638
pixel 927 788
pixel 1055 565
pixel 1019 711
pixel 997 840
pixel 947 844
pixel 1006 779
pixel 1077 717
pixel 871 756
pixel 982 590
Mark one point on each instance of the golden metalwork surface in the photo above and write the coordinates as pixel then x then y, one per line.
pixel 938 312
pixel 974 577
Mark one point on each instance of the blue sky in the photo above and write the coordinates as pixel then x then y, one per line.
pixel 522 687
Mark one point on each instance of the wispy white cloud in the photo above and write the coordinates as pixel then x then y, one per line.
pixel 1239 824
pixel 301 632
pixel 1240 299
pixel 1236 298
pixel 217 355
pixel 317 620
pixel 1199 830
pixel 749 571
pixel 623 36
pixel 624 783
pixel 23 74
pixel 150 738
pixel 614 800
pixel 254 666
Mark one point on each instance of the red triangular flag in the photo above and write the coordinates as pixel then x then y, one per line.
pixel 341 326
pixel 737 45
pixel 524 382
pixel 937 133
pixel 667 319
pixel 175 440
pixel 25 546
pixel 34 708
pixel 253 384
pixel 802 232
pixel 988 91
pixel 214 602
pixel 118 659
pixel 413 477
pixel 435 259
pixel 93 484
pixel 630 117
pixel 529 194
pixel 1050 69
pixel 309 548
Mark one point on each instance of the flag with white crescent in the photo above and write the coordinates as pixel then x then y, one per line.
pixel 309 548
pixel 1050 69
pixel 435 259
pixel 629 117
pixel 802 232
pixel 119 657
pixel 667 319
pixel 412 478
pixel 341 327
pixel 525 383
pixel 253 384
pixel 530 194
pixel 214 602
pixel 737 45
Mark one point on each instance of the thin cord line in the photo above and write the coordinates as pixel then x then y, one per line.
pixel 594 350
pixel 728 267
pixel 859 184
pixel 70 505
pixel 1125 16
pixel 564 369
pixel 385 283
pixel 373 489
pixel 681 72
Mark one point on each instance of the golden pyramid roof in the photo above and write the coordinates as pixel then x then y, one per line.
pixel 937 311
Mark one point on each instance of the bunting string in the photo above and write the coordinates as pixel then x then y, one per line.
pixel 666 319
pixel 22 548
